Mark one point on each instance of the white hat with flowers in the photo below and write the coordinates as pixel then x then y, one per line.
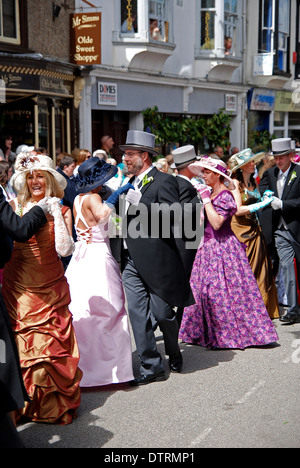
pixel 28 163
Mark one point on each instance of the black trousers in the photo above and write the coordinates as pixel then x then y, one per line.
pixel 9 436
pixel 145 310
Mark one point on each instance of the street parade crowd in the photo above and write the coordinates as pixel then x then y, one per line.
pixel 91 250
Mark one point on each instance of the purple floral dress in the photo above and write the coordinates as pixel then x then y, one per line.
pixel 229 311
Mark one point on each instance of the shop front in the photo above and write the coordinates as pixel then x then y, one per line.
pixel 117 105
pixel 285 121
pixel 36 105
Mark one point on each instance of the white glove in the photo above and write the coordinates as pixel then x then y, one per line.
pixel 64 243
pixel 43 204
pixel 277 204
pixel 133 197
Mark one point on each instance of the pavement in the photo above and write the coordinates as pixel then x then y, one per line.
pixel 222 399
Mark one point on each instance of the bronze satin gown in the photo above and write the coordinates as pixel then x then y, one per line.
pixel 37 295
pixel 247 229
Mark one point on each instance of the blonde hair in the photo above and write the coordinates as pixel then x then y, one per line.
pixel 53 189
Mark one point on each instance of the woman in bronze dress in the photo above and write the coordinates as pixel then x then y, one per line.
pixel 246 226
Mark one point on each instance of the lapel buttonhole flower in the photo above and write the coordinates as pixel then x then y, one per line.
pixel 293 177
pixel 147 180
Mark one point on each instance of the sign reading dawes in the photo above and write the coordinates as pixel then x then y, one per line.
pixel 85 38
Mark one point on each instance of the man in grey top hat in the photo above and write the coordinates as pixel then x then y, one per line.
pixel 154 277
pixel 188 197
pixel 281 221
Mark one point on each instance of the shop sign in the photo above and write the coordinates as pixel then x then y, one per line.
pixel 107 94
pixel 263 100
pixel 230 102
pixel 34 82
pixel 285 102
pixel 85 34
pixel 56 86
pixel 263 65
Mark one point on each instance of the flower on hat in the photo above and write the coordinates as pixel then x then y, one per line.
pixel 26 161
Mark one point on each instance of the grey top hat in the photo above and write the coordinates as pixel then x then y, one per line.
pixel 183 156
pixel 142 141
pixel 281 146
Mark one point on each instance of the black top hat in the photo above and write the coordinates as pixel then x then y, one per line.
pixel 92 173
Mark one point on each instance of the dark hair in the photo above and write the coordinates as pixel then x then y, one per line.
pixel 3 176
pixel 238 175
pixel 66 161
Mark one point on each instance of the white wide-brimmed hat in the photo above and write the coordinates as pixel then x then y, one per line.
pixel 242 158
pixel 27 162
pixel 141 141
pixel 215 165
pixel 281 147
pixel 183 156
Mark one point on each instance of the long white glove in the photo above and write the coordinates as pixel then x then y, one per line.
pixel 133 197
pixel 277 204
pixel 64 243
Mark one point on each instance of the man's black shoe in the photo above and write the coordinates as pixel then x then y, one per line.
pixel 149 378
pixel 175 363
pixel 289 318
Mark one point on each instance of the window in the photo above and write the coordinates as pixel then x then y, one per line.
pixel 129 18
pixel 283 33
pixel 158 24
pixel 207 21
pixel 9 21
pixel 220 27
pixel 230 26
pixel 275 32
pixel 143 21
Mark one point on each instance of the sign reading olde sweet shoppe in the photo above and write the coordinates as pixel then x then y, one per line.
pixel 85 38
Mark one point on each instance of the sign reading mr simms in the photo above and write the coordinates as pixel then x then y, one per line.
pixel 85 38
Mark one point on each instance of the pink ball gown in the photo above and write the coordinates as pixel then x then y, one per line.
pixel 98 307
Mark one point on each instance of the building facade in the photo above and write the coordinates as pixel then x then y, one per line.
pixel 72 71
pixel 37 79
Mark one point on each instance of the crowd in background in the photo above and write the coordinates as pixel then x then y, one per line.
pixel 226 293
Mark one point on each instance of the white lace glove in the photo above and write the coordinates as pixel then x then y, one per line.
pixel 133 197
pixel 64 243
pixel 277 204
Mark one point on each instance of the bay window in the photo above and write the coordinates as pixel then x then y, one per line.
pixel 220 28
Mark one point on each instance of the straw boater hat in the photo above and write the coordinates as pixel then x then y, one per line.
pixel 239 160
pixel 281 147
pixel 141 141
pixel 215 165
pixel 183 157
pixel 92 173
pixel 28 163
